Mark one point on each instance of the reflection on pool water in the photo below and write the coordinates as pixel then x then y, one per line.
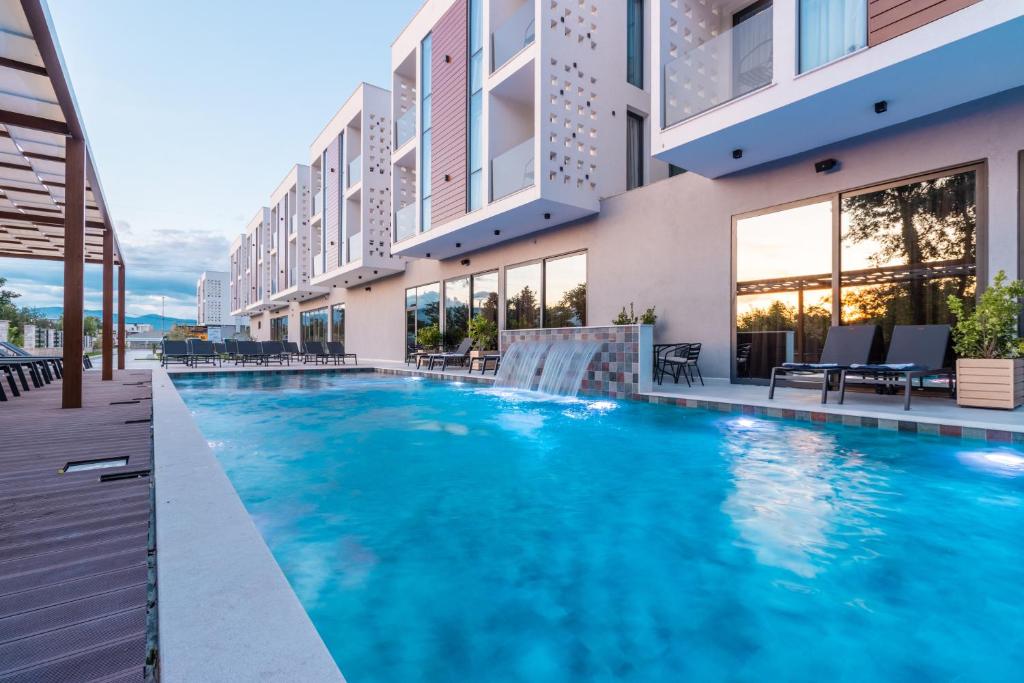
pixel 451 533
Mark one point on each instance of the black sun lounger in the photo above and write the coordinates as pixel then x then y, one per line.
pixel 460 355
pixel 273 352
pixel 174 351
pixel 337 350
pixel 845 346
pixel 248 352
pixel 315 351
pixel 201 351
pixel 915 351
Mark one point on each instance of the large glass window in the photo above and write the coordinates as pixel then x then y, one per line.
pixel 830 29
pixel 906 248
pixel 565 291
pixel 476 104
pixel 313 325
pixel 634 151
pixel 338 323
pixel 422 310
pixel 456 311
pixel 635 42
pixel 783 287
pixel 485 295
pixel 426 88
pixel 522 296
pixel 279 328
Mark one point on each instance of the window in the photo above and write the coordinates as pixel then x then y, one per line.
pixel 456 311
pixel 279 328
pixel 635 42
pixel 422 310
pixel 634 151
pixel 339 193
pixel 476 104
pixel 338 323
pixel 902 248
pixel 313 325
pixel 522 296
pixel 485 295
pixel 425 126
pixel 830 29
pixel 565 291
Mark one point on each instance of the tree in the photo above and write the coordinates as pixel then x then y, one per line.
pixel 522 310
pixel 571 309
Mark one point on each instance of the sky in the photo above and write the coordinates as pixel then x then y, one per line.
pixel 195 111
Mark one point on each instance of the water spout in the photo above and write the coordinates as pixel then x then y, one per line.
pixel 555 368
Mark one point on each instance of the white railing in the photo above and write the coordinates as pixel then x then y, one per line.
pixel 731 64
pixel 355 247
pixel 405 127
pixel 355 171
pixel 405 222
pixel 511 37
pixel 513 170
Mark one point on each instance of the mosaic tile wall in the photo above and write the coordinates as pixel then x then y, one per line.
pixel 622 366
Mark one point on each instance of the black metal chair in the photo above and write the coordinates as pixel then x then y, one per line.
pixel 845 346
pixel 174 351
pixel 460 356
pixel 315 351
pixel 336 350
pixel 274 352
pixel 201 351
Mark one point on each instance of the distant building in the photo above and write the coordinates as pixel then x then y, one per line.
pixel 213 307
pixel 137 328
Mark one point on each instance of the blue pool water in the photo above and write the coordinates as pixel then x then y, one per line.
pixel 439 532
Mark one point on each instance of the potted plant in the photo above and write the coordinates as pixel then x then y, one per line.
pixel 484 333
pixel 624 318
pixel 990 367
pixel 429 337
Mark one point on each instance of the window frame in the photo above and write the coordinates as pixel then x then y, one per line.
pixel 542 294
pixel 641 159
pixel 640 35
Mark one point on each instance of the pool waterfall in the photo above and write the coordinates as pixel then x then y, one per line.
pixel 555 368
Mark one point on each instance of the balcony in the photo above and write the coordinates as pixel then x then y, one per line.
pixel 355 247
pixel 405 127
pixel 513 170
pixel 318 203
pixel 405 222
pixel 731 64
pixel 355 171
pixel 515 34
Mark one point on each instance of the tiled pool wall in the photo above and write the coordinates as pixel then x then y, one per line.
pixel 622 366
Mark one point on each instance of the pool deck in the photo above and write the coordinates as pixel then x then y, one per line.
pixel 74 549
pixel 928 414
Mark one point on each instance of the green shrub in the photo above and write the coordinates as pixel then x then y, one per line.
pixel 429 337
pixel 990 331
pixel 484 332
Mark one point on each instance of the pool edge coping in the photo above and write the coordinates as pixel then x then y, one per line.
pixel 227 611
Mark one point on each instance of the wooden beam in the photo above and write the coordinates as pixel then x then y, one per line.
pixel 121 347
pixel 74 272
pixel 22 66
pixel 43 220
pixel 13 118
pixel 107 335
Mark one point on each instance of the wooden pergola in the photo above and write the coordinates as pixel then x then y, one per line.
pixel 51 202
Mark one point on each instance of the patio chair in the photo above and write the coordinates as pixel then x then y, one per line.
pixel 743 358
pixel 174 351
pixel 292 349
pixel 336 349
pixel 316 352
pixel 915 352
pixel 231 347
pixel 274 352
pixel 200 351
pixel 661 352
pixel 845 346
pixel 483 361
pixel 248 352
pixel 459 356
pixel 682 360
pixel 220 348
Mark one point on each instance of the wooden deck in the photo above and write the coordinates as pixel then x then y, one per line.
pixel 74 548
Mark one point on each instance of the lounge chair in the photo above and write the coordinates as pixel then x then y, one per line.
pixel 915 351
pixel 315 351
pixel 174 351
pixel 248 352
pixel 220 348
pixel 845 346
pixel 200 351
pixel 460 355
pixel 231 346
pixel 336 349
pixel 274 352
pixel 292 349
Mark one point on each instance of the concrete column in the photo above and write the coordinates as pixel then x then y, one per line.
pixel 74 270
pixel 29 334
pixel 121 344
pixel 107 333
pixel 5 330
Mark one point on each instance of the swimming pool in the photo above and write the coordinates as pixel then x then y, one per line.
pixel 440 532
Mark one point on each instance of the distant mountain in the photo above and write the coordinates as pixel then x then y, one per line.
pixel 54 312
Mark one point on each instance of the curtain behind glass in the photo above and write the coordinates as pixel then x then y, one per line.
pixel 830 29
pixel 634 151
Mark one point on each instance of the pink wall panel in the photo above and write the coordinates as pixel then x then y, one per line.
pixel 449 70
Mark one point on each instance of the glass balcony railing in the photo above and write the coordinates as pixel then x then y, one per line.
pixel 355 171
pixel 512 171
pixel 405 127
pixel 405 222
pixel 293 222
pixel 731 64
pixel 511 37
pixel 318 203
pixel 355 247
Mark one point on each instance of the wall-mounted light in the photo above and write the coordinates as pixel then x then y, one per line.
pixel 825 165
pixel 464 262
pixel 367 288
